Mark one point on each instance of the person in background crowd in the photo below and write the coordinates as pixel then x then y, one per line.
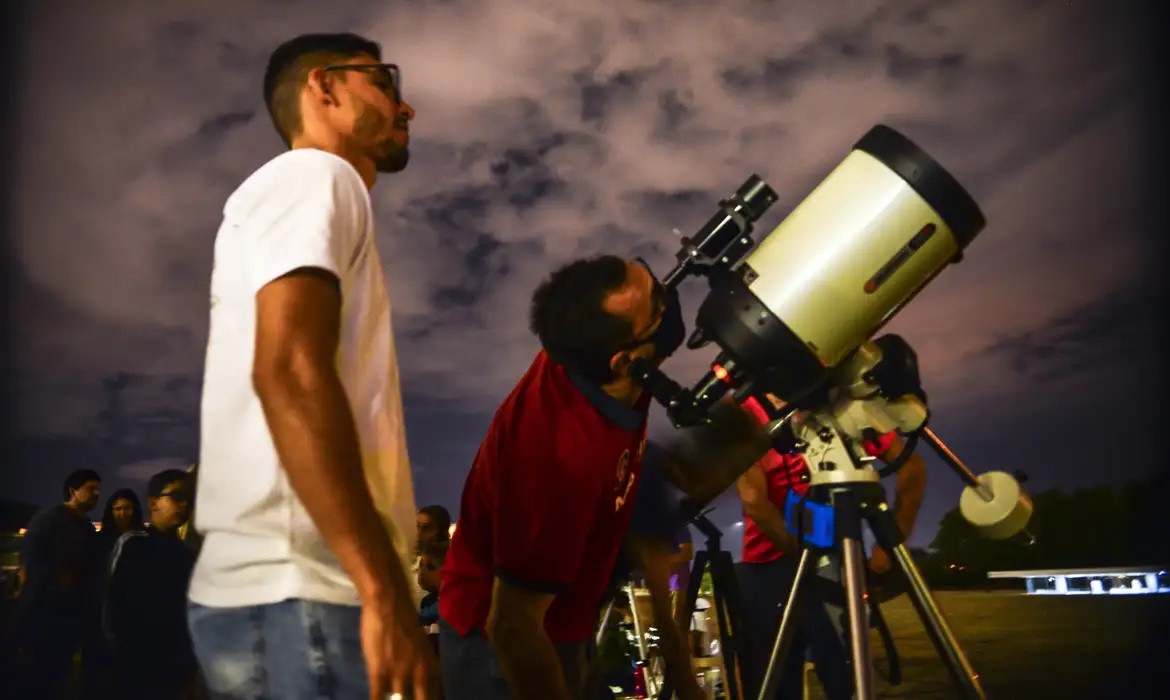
pixel 768 568
pixel 305 491
pixel 123 513
pixel 430 563
pixel 54 577
pixel 144 611
pixel 549 497
pixel 432 524
pixel 187 531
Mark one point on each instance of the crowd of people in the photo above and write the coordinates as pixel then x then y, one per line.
pixel 112 596
pixel 100 611
pixel 314 574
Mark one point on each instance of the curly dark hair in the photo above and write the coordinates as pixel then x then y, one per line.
pixel 569 318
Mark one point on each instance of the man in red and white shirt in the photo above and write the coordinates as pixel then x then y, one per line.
pixel 549 497
pixel 770 556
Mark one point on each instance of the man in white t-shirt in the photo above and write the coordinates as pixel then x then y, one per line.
pixel 306 502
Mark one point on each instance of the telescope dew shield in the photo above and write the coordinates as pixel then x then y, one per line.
pixel 883 223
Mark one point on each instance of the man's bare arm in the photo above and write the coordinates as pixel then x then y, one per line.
pixel 527 657
pixel 298 320
pixel 654 558
pixel 909 488
pixel 753 491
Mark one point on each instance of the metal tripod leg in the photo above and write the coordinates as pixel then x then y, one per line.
pixel 726 597
pixel 937 628
pixel 604 621
pixel 701 561
pixel 640 633
pixel 789 620
pixel 859 648
pixel 886 532
pixel 847 507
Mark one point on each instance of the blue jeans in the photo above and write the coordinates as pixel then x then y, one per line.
pixel 289 650
pixel 471 671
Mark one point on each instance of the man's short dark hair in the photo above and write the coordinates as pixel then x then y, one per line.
pixel 289 66
pixel 76 480
pixel 160 481
pixel 569 317
pixel 441 518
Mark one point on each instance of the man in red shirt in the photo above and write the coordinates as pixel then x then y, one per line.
pixel 768 569
pixel 549 496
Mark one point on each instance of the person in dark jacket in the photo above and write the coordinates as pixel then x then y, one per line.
pixel 123 513
pixel 145 608
pixel 54 577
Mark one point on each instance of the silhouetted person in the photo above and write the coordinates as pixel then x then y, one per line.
pixel 430 563
pixel 123 513
pixel 432 524
pixel 145 611
pixel 54 575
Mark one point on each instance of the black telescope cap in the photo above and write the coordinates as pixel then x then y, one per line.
pixel 929 179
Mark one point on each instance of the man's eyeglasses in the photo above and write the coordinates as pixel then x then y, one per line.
pixel 386 76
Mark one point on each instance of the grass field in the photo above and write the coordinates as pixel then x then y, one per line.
pixel 1032 646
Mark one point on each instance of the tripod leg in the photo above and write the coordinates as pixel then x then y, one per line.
pixel 639 630
pixel 847 507
pixel 788 623
pixel 728 585
pixel 937 628
pixel 726 642
pixel 854 574
pixel 889 537
pixel 696 580
pixel 604 621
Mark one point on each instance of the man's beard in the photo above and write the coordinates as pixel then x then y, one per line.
pixel 388 156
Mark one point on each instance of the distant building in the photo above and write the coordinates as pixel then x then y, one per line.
pixel 1100 581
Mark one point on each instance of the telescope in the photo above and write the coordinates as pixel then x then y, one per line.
pixel 794 320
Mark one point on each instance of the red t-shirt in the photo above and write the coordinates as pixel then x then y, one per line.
pixel 547 502
pixel 783 472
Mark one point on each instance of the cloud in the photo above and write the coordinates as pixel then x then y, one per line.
pixel 142 471
pixel 1107 331
pixel 551 129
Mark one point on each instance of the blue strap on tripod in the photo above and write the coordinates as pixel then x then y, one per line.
pixel 812 522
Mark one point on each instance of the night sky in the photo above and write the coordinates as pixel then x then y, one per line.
pixel 553 129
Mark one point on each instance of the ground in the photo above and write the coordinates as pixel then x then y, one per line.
pixel 1031 646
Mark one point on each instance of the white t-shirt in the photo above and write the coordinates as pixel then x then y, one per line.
pixel 304 208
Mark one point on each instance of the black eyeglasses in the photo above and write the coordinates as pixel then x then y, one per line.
pixel 386 75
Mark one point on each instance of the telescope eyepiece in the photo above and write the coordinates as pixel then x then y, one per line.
pixel 756 197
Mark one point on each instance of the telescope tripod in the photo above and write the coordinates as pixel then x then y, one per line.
pixel 726 600
pixel 839 530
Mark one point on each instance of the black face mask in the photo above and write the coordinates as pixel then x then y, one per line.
pixel 672 330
